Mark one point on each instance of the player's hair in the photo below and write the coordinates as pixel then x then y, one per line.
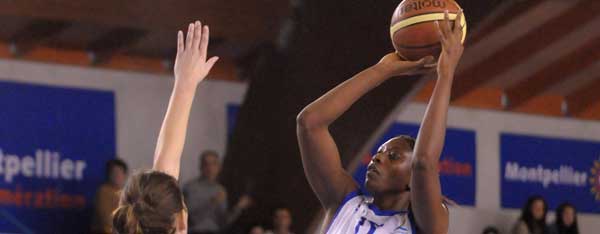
pixel 149 204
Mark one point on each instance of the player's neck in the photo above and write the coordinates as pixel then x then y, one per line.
pixel 392 201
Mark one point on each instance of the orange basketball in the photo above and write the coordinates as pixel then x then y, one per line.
pixel 413 30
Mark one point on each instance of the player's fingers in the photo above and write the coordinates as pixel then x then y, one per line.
pixel 189 36
pixel 180 46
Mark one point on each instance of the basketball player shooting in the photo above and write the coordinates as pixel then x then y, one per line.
pixel 402 177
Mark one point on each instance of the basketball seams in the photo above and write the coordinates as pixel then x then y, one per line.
pixel 412 30
pixel 426 13
pixel 453 7
pixel 429 46
pixel 434 15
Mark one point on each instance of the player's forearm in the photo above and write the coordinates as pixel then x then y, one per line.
pixel 173 131
pixel 323 111
pixel 430 141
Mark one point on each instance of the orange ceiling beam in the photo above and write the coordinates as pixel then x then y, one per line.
pixel 553 73
pixel 583 101
pixel 514 10
pixel 546 104
pixel 520 49
pixel 225 69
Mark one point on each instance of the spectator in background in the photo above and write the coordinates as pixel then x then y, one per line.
pixel 491 230
pixel 257 229
pixel 206 199
pixel 566 220
pixel 282 220
pixel 533 217
pixel 107 196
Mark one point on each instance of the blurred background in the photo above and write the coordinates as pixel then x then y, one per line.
pixel 83 83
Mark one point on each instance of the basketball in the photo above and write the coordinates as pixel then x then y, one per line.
pixel 413 31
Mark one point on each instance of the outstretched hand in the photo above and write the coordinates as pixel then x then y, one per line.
pixel 191 64
pixel 452 48
pixel 191 67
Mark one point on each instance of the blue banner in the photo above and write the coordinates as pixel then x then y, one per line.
pixel 54 143
pixel 558 169
pixel 457 163
pixel 232 115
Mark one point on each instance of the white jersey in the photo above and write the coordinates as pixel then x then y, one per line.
pixel 357 215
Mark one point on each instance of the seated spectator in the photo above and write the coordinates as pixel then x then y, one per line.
pixel 107 196
pixel 282 220
pixel 206 199
pixel 533 217
pixel 566 220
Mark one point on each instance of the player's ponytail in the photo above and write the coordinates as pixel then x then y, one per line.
pixel 149 204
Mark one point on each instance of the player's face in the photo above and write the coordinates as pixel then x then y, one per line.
pixel 390 168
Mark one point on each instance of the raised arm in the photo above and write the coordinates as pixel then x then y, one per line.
pixel 191 67
pixel 320 156
pixel 426 194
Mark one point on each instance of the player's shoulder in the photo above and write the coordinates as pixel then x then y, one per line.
pixel 352 197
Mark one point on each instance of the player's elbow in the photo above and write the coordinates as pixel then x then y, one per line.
pixel 308 119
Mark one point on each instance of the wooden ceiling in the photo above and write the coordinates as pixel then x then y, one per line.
pixel 534 56
pixel 528 56
pixel 135 34
pixel 143 27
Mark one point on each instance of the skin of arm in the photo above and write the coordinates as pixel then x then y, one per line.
pixel 320 155
pixel 426 196
pixel 191 67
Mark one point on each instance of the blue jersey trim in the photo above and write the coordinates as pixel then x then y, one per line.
pixel 379 212
pixel 413 223
pixel 372 228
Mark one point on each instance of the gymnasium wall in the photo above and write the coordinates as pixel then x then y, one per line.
pixel 60 124
pixel 488 127
pixel 140 103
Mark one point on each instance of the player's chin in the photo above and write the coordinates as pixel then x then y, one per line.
pixel 373 185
